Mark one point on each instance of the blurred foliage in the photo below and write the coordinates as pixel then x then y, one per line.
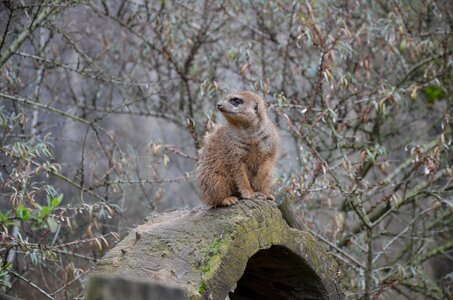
pixel 106 102
pixel 433 93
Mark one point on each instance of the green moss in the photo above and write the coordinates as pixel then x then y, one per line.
pixel 201 288
pixel 212 253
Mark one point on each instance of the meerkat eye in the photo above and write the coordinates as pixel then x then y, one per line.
pixel 236 101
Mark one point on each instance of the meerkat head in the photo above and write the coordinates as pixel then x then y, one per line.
pixel 243 108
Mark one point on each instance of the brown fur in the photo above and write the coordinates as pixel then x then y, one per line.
pixel 238 158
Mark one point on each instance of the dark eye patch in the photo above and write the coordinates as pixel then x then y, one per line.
pixel 236 101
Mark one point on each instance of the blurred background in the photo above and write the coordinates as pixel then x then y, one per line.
pixel 104 104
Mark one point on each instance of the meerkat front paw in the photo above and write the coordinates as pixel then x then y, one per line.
pixel 229 201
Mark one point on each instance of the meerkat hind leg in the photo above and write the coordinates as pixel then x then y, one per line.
pixel 229 201
pixel 262 182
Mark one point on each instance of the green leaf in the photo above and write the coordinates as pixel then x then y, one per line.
pixel 53 225
pixel 57 200
pixel 433 93
pixel 195 70
pixel 23 213
pixel 34 257
pixel 5 283
pixel 4 216
pixel 45 210
pixel 403 46
pixel 6 266
pixel 166 160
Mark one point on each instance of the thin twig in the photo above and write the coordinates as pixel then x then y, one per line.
pixel 46 12
pixel 31 284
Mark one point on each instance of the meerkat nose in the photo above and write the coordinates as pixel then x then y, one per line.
pixel 219 105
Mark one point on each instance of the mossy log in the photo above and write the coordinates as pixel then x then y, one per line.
pixel 246 251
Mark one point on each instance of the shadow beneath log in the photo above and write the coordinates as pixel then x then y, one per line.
pixel 278 273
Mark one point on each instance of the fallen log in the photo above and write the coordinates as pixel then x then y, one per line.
pixel 246 251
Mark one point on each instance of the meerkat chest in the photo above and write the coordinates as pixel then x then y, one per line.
pixel 255 153
pixel 252 148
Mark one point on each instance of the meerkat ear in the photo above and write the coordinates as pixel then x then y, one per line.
pixel 256 107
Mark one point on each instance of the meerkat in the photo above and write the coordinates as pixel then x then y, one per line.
pixel 238 158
